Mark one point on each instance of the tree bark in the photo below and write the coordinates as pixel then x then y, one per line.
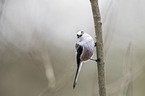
pixel 99 47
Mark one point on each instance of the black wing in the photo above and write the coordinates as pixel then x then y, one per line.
pixel 79 52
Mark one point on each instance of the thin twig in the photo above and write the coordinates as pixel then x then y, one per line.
pixel 99 47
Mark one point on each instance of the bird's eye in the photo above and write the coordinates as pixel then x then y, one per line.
pixel 82 32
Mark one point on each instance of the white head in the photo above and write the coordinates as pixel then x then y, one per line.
pixel 80 34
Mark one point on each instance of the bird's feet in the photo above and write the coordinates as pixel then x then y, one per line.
pixel 97 60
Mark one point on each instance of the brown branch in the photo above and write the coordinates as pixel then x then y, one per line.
pixel 99 47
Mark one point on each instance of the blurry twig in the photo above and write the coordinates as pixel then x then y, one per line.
pixel 47 65
pixel 49 70
pixel 109 20
pixel 36 60
pixel 110 25
pixel 44 57
pixel 113 87
pixel 2 11
pixel 2 3
pixel 106 10
pixel 108 40
pixel 126 86
pixel 129 91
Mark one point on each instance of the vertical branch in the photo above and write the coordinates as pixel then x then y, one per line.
pixel 99 47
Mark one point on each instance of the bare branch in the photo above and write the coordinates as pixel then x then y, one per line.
pixel 99 47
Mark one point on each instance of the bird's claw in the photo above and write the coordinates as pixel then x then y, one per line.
pixel 95 44
pixel 97 60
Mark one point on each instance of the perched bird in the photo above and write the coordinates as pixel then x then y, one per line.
pixel 85 47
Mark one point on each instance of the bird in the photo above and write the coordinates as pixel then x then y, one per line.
pixel 85 47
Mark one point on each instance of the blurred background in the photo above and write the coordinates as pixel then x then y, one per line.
pixel 37 53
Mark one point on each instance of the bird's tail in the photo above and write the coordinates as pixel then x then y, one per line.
pixel 77 74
